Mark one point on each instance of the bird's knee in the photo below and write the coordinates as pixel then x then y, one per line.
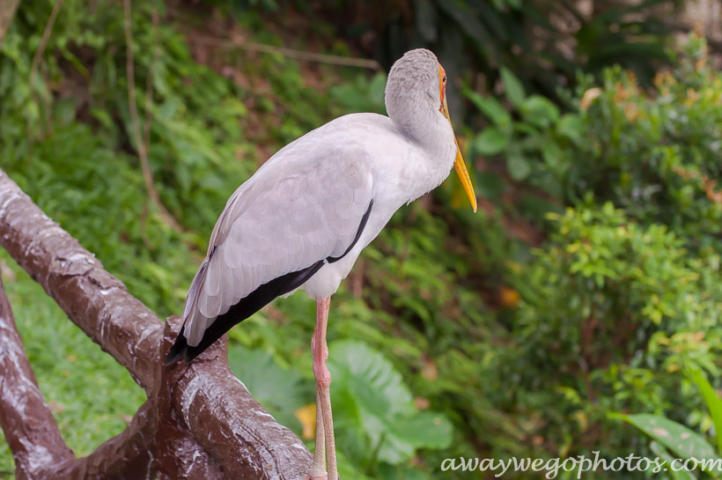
pixel 323 376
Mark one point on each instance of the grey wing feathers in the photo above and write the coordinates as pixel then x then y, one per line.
pixel 288 218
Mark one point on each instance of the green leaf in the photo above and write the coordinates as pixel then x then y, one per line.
pixel 518 166
pixel 279 390
pixel 376 409
pixel 513 87
pixel 662 452
pixel 491 141
pixel 490 107
pixel 551 153
pixel 570 126
pixel 401 472
pixel 714 403
pixel 359 365
pixel 540 111
pixel 346 468
pixel 425 430
pixel 678 438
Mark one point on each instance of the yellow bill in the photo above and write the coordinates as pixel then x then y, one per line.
pixel 460 166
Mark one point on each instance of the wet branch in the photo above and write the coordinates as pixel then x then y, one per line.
pixel 200 421
pixel 25 417
pixel 128 456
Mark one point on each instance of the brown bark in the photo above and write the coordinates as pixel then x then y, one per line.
pixel 33 434
pixel 7 12
pixel 93 299
pixel 128 456
pixel 178 454
pixel 25 417
pixel 203 397
pixel 243 437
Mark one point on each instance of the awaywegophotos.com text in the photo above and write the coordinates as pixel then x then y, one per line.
pixel 580 464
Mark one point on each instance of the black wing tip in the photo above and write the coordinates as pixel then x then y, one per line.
pixel 245 308
pixel 172 358
pixel 180 349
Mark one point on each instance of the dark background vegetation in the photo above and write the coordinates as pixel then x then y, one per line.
pixel 588 285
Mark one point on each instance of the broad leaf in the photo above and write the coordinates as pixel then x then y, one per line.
pixel 540 111
pixel 391 472
pixel 513 87
pixel 358 365
pixel 678 438
pixel 490 107
pixel 491 141
pixel 425 430
pixel 518 166
pixel 714 403
pixel 377 411
pixel 279 390
pixel 662 452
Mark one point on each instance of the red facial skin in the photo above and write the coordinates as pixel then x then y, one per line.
pixel 442 85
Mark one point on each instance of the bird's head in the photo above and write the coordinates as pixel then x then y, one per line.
pixel 416 92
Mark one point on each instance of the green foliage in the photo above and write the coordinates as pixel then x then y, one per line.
pixel 541 133
pixel 683 442
pixel 75 155
pixel 624 295
pixel 656 158
pixel 541 41
pixel 714 403
pixel 609 309
pixel 361 95
pixel 380 422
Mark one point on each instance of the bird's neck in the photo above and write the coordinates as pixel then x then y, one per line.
pixel 418 117
pixel 433 157
pixel 432 133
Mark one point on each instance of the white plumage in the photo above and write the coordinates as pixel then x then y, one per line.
pixel 304 217
pixel 306 203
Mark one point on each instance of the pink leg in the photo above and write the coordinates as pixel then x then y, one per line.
pixel 318 470
pixel 325 443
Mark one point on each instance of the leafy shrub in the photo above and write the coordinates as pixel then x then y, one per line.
pixel 687 445
pixel 610 310
pixel 624 296
pixel 657 157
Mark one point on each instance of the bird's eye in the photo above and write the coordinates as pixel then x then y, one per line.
pixel 444 79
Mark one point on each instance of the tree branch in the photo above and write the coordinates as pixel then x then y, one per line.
pixel 178 454
pixel 244 440
pixel 7 12
pixel 25 417
pixel 36 61
pixel 128 456
pixel 207 397
pixel 288 52
pixel 93 299
pixel 135 123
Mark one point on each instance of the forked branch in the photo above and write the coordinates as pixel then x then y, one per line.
pixel 25 417
pixel 201 406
